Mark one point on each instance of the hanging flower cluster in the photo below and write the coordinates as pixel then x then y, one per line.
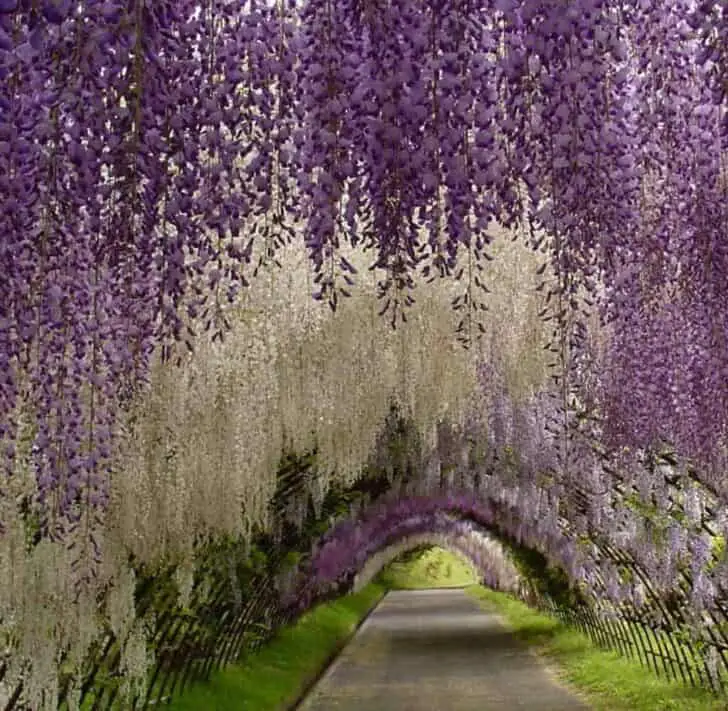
pixel 290 376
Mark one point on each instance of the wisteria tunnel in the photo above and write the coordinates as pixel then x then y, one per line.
pixel 288 287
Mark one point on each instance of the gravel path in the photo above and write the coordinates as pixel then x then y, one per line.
pixel 437 650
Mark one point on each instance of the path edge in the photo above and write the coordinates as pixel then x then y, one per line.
pixel 309 684
pixel 550 666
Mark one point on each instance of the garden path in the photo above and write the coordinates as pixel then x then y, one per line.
pixel 437 650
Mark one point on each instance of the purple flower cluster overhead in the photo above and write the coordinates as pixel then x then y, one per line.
pixel 146 147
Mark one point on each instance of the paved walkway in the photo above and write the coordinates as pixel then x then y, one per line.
pixel 437 650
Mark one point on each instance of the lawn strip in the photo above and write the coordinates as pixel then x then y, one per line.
pixel 275 677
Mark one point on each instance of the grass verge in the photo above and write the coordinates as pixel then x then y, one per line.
pixel 275 677
pixel 608 681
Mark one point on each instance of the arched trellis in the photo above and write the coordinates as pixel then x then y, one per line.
pixel 485 555
pixel 348 543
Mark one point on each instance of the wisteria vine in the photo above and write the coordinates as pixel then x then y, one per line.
pixel 157 157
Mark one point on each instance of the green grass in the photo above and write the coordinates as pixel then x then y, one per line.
pixel 606 680
pixel 275 676
pixel 435 568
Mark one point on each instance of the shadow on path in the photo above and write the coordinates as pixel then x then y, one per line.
pixel 437 650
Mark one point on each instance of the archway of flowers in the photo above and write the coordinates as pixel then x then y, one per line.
pixel 532 191
pixel 348 556
pixel 464 518
pixel 484 555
